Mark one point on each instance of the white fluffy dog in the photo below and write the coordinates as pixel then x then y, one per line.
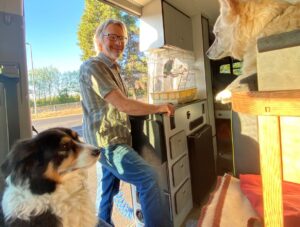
pixel 240 24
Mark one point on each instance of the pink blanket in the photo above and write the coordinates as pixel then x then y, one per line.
pixel 252 188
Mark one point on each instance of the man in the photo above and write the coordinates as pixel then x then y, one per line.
pixel 106 125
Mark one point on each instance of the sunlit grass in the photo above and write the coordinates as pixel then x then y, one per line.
pixel 59 113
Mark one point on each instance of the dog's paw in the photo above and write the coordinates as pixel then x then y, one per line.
pixel 224 96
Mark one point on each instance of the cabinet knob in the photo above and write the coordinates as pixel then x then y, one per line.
pixel 188 114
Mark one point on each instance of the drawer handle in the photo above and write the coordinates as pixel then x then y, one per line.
pixel 181 165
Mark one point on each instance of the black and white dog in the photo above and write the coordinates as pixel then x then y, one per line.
pixel 46 183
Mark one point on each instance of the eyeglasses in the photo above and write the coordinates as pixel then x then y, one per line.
pixel 114 37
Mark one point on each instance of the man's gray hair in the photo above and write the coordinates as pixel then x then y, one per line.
pixel 98 37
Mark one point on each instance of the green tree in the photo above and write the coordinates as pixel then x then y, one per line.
pixel 52 86
pixel 132 62
pixel 94 14
pixel 44 80
pixel 68 83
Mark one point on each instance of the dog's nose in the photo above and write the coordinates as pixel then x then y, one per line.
pixel 96 152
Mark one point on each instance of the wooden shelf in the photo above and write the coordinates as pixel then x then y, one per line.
pixel 267 103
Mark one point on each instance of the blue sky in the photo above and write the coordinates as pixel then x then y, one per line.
pixel 51 29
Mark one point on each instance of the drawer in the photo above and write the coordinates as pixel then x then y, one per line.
pixel 183 195
pixel 180 170
pixel 178 144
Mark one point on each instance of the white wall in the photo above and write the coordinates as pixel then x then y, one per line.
pixel 199 58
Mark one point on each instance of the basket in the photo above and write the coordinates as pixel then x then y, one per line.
pixel 179 96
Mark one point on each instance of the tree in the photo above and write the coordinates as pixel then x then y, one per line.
pixel 94 14
pixel 45 82
pixel 52 86
pixel 132 62
pixel 69 83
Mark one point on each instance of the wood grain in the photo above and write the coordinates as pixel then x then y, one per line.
pixel 270 106
pixel 269 103
pixel 271 170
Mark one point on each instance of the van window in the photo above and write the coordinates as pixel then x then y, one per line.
pixel 231 68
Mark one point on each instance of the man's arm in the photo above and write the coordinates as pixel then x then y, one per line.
pixel 134 107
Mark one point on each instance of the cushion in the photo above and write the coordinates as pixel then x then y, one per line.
pixel 252 188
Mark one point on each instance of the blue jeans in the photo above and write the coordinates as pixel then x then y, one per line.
pixel 121 162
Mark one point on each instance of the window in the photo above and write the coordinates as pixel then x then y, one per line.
pixel 233 68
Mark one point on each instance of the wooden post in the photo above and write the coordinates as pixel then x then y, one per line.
pixel 270 106
pixel 271 170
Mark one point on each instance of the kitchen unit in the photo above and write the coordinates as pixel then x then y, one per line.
pixel 166 143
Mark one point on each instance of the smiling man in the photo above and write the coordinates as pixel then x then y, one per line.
pixel 106 124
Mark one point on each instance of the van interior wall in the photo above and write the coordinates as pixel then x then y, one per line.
pixel 14 124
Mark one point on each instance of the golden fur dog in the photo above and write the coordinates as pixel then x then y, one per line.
pixel 240 24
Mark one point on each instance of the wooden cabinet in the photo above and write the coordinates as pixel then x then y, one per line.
pixel 177 28
pixel 164 25
pixel 155 135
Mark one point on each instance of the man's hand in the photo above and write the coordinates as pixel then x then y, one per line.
pixel 169 109
pixel 224 96
pixel 136 108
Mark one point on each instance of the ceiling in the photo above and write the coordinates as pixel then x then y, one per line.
pixel 208 8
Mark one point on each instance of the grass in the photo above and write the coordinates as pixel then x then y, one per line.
pixel 51 114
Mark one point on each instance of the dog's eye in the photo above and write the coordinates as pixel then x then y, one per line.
pixel 65 146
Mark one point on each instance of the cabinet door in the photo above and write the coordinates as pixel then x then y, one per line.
pixel 180 171
pixel 178 144
pixel 177 28
pixel 183 195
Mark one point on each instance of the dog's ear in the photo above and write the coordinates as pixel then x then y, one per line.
pixel 19 152
pixel 229 7
pixel 70 132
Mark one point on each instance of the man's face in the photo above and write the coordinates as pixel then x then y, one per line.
pixel 114 41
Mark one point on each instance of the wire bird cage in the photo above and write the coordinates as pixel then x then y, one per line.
pixel 172 78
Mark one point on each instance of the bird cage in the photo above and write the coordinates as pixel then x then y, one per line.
pixel 171 77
